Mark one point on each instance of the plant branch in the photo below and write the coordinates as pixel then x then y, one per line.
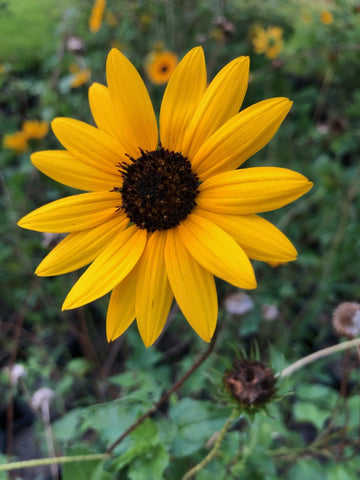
pixel 52 461
pixel 325 352
pixel 213 451
pixel 166 395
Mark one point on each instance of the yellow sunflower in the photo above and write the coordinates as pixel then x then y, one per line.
pixel 160 66
pixel 160 219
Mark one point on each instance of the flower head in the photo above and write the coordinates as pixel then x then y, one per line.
pixel 326 17
pixel 269 41
pixel 36 129
pixel 16 141
pixel 79 75
pixel 160 66
pixel 96 16
pixel 164 213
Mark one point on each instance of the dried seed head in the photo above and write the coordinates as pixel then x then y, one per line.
pixel 16 372
pixel 251 383
pixel 346 319
pixel 270 312
pixel 238 303
pixel 42 396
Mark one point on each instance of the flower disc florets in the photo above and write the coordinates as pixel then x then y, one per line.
pixel 159 189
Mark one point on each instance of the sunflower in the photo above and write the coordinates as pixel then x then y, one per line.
pixel 160 66
pixel 160 219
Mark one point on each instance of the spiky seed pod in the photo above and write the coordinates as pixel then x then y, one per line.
pixel 251 383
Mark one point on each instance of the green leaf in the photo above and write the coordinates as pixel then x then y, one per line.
pixel 342 472
pixel 147 457
pixel 151 465
pixel 196 421
pixel 308 412
pixel 86 470
pixel 110 419
pixel 310 469
pixel 66 428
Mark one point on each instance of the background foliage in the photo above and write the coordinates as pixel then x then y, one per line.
pixel 99 389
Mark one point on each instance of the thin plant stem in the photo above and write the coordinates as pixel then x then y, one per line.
pixel 214 450
pixel 52 461
pixel 315 356
pixel 165 396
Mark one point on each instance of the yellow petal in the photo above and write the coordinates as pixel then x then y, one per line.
pixel 239 138
pixel 193 286
pixel 113 264
pixel 182 95
pixel 68 170
pixel 216 251
pixel 135 114
pixel 221 100
pixel 260 239
pixel 103 111
pixel 72 214
pixel 81 248
pixel 251 190
pixel 153 293
pixel 89 144
pixel 121 309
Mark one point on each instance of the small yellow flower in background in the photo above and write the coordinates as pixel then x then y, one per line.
pixel 166 209
pixel 31 129
pixel 326 17
pixel 110 18
pixel 35 129
pixel 2 69
pixel 306 17
pixel 269 41
pixel 18 142
pixel 80 75
pixel 96 16
pixel 160 66
pixel 145 21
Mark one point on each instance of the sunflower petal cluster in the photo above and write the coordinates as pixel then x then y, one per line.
pixel 134 225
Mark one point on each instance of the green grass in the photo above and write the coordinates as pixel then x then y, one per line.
pixel 27 30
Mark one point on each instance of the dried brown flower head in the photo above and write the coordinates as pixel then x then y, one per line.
pixel 346 319
pixel 251 383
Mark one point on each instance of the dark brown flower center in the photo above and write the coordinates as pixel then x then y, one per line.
pixel 159 189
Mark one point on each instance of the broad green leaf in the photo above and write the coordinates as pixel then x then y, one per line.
pixel 151 465
pixel 307 469
pixel 196 421
pixel 309 412
pixel 86 470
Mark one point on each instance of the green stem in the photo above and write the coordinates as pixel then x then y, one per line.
pixel 52 461
pixel 214 450
pixel 320 354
